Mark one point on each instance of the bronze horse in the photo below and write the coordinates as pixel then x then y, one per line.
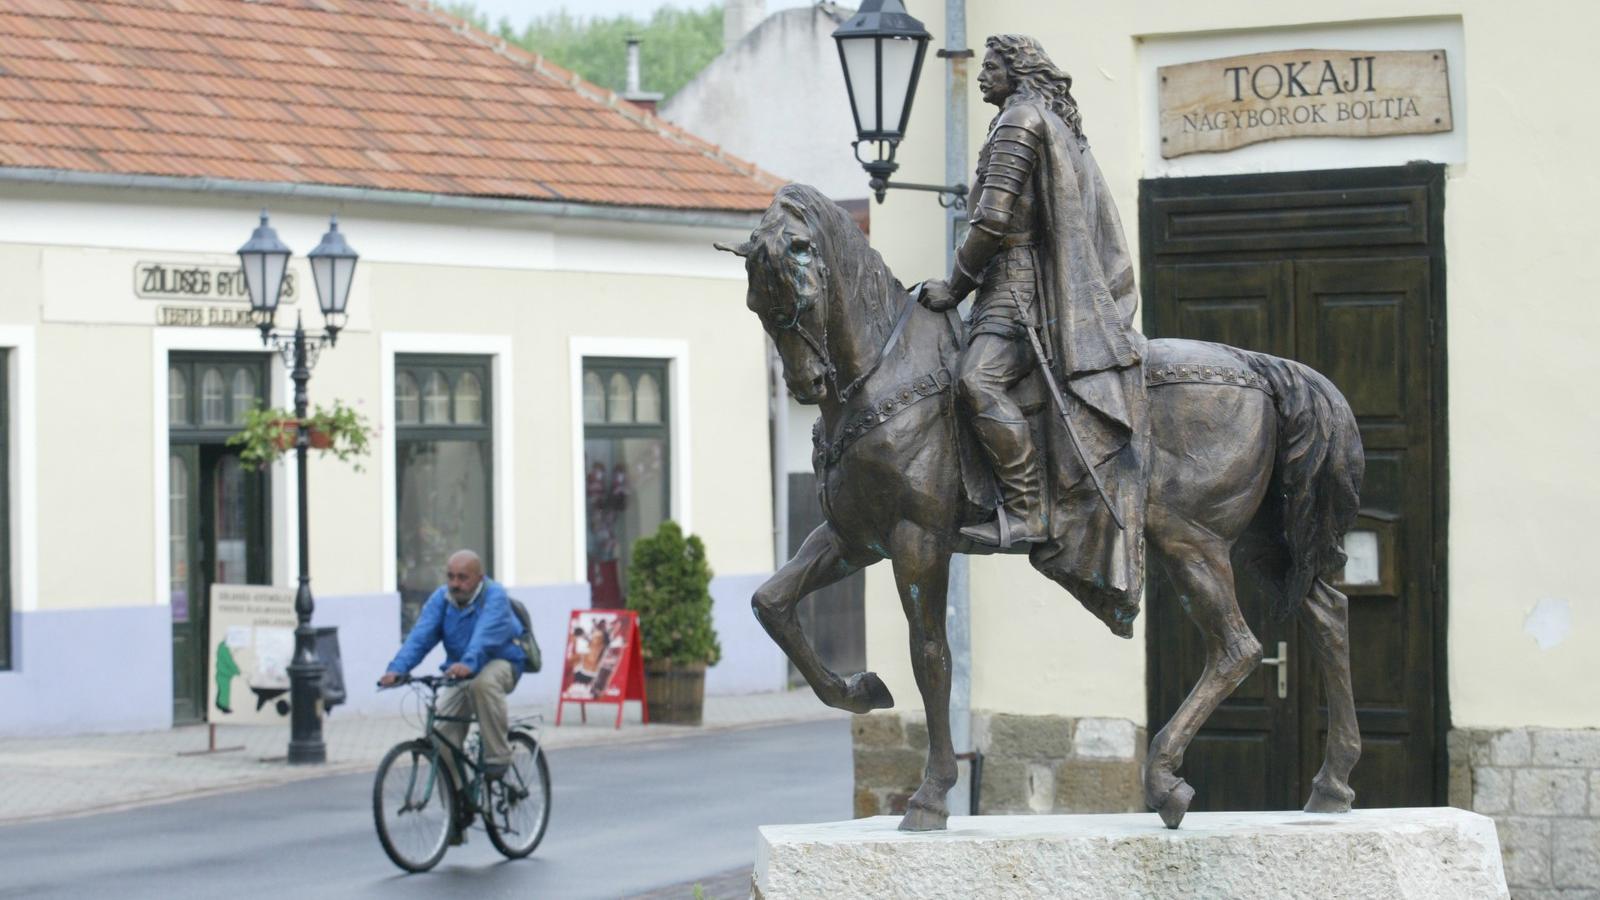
pixel 1246 449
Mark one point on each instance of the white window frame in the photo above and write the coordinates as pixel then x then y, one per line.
pixel 676 353
pixel 501 374
pixel 284 544
pixel 24 493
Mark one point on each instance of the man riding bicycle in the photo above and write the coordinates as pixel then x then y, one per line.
pixel 472 616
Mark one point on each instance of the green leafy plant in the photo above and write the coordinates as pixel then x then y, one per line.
pixel 268 433
pixel 669 585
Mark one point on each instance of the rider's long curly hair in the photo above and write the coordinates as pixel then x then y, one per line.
pixel 1037 76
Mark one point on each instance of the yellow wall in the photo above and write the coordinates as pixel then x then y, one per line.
pixel 1522 438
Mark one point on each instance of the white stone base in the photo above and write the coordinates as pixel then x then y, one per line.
pixel 1371 853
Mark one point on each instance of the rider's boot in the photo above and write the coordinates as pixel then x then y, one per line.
pixel 1020 519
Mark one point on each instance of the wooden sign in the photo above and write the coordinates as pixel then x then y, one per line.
pixel 1223 104
pixel 603 662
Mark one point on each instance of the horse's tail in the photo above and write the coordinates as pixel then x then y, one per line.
pixel 1318 474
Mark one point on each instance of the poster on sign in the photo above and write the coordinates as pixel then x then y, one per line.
pixel 252 644
pixel 603 662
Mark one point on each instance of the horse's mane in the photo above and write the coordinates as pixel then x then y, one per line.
pixel 859 280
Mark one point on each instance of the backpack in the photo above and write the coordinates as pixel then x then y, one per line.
pixel 530 647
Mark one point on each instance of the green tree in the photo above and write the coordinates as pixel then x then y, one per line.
pixel 669 585
pixel 678 43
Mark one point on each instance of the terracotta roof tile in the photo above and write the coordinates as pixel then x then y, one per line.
pixel 385 94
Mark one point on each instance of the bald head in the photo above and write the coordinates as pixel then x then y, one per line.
pixel 463 572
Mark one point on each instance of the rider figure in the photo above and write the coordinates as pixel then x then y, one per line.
pixel 1018 256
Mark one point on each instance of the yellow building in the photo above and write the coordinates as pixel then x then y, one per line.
pixel 554 357
pixel 1439 277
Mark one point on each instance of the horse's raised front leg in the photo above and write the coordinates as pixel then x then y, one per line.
pixel 1326 616
pixel 922 573
pixel 821 561
pixel 1197 562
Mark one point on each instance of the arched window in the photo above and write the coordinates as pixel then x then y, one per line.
pixel 594 398
pixel 177 397
pixel 436 400
pixel 619 401
pixel 244 394
pixel 407 399
pixel 648 404
pixel 469 400
pixel 213 398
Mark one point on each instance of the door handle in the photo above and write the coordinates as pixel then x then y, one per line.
pixel 1282 662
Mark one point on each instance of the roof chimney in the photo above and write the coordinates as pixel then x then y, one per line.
pixel 639 98
pixel 739 18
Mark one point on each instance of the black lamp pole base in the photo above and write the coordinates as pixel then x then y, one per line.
pixel 305 725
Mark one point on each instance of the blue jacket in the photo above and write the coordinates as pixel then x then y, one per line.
pixel 484 630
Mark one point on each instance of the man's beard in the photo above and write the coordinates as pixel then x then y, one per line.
pixel 460 596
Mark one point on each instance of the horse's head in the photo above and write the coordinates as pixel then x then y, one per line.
pixel 786 260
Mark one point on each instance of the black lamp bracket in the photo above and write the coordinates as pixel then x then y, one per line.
pixel 950 196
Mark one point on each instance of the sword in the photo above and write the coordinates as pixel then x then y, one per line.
pixel 1072 434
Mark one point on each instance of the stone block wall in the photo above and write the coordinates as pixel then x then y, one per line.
pixel 1542 788
pixel 1031 764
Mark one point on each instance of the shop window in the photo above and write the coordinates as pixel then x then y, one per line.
pixel 436 402
pixel 407 399
pixel 213 398
pixel 244 394
pixel 177 396
pixel 469 400
pixel 626 463
pixel 594 398
pixel 444 471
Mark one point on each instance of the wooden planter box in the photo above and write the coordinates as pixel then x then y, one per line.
pixel 675 694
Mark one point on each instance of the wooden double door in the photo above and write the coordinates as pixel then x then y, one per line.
pixel 1344 271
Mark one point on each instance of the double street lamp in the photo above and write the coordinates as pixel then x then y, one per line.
pixel 266 260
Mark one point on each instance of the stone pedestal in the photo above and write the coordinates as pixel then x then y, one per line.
pixel 1389 853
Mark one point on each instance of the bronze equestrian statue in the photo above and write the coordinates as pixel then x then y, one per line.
pixel 939 436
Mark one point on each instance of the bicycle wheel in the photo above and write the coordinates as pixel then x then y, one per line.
pixel 519 803
pixel 413 801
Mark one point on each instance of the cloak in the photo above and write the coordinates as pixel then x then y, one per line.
pixel 1087 299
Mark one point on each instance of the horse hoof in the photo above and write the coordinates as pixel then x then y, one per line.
pixel 867 692
pixel 1173 807
pixel 1323 801
pixel 919 818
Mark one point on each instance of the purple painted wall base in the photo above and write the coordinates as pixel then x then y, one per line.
pixel 110 669
pixel 87 670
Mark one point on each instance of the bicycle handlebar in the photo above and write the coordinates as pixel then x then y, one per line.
pixel 430 681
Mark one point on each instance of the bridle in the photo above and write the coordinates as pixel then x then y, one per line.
pixel 803 305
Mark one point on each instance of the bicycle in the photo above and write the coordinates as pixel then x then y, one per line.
pixel 418 809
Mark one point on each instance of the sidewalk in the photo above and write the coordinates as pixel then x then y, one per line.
pixel 45 778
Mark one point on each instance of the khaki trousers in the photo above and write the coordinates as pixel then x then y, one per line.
pixel 484 698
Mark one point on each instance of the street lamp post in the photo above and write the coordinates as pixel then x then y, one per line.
pixel 266 260
pixel 881 49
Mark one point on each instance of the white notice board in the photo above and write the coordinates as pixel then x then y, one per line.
pixel 251 645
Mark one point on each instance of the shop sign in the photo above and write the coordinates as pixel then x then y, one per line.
pixel 1223 104
pixel 198 288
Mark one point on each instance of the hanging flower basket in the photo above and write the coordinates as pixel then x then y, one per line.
pixel 270 433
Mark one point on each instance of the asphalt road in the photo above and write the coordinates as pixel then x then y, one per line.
pixel 625 820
